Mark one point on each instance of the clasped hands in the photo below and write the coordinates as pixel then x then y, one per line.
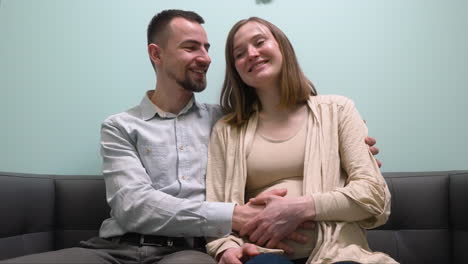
pixel 268 220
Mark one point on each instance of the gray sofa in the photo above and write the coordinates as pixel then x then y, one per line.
pixel 429 221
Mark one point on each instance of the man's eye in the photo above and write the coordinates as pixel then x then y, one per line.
pixel 190 48
pixel 260 42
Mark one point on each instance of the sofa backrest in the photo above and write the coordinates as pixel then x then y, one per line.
pixel 43 212
pixel 81 206
pixel 429 221
pixel 27 220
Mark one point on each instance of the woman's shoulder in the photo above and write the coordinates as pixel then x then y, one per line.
pixel 223 126
pixel 331 99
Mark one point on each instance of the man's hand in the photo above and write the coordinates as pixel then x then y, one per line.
pixel 238 255
pixel 279 220
pixel 243 213
pixel 374 150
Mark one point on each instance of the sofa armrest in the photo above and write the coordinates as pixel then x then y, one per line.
pixel 459 215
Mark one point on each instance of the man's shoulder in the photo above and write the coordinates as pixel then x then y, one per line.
pixel 125 116
pixel 214 111
pixel 215 108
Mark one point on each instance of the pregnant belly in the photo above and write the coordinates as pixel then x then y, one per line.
pixel 294 187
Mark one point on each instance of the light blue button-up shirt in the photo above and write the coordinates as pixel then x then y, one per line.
pixel 154 166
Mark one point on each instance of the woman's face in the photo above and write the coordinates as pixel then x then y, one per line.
pixel 257 55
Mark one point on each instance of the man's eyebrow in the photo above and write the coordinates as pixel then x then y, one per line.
pixel 196 42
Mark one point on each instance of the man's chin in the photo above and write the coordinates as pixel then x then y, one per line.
pixel 197 87
pixel 199 90
pixel 193 86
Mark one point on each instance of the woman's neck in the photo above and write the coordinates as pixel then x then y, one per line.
pixel 278 122
pixel 270 98
pixel 281 123
pixel 278 114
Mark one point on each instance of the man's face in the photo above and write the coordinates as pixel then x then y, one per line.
pixel 185 55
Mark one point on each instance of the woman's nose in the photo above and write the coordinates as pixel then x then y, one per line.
pixel 252 52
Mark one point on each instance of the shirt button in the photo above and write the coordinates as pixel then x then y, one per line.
pixel 184 178
pixel 181 148
pixel 148 150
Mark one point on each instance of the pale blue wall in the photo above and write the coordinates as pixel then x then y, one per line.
pixel 66 65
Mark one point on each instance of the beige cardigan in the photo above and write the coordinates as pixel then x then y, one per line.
pixel 340 173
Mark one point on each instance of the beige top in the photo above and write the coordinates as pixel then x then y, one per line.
pixel 279 164
pixel 271 160
pixel 339 172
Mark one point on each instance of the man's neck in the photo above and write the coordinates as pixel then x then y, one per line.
pixel 170 101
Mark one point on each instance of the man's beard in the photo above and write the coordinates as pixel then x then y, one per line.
pixel 189 84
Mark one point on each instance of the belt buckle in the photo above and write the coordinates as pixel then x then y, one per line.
pixel 143 243
pixel 170 242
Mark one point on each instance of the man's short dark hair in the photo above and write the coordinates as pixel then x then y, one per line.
pixel 160 21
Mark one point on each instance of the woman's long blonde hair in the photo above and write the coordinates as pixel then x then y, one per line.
pixel 238 99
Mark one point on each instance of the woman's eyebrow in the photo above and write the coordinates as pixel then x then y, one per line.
pixel 254 37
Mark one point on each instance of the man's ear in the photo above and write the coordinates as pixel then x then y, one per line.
pixel 154 52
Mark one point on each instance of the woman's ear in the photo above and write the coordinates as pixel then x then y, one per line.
pixel 154 52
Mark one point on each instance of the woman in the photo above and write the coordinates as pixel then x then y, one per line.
pixel 278 133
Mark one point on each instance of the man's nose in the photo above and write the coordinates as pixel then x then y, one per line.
pixel 204 58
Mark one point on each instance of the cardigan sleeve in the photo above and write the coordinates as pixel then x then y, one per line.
pixel 365 198
pixel 216 186
pixel 216 167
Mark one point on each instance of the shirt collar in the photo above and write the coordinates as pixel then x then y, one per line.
pixel 149 109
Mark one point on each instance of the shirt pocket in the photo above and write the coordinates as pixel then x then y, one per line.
pixel 154 158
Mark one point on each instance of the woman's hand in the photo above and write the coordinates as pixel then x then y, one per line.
pixel 238 255
pixel 280 218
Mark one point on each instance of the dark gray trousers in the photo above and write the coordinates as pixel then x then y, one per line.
pixel 98 250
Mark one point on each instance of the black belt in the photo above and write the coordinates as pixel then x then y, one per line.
pixel 161 241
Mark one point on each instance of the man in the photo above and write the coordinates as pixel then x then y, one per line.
pixel 154 163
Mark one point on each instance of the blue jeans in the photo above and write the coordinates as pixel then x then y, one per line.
pixel 303 261
pixel 270 258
